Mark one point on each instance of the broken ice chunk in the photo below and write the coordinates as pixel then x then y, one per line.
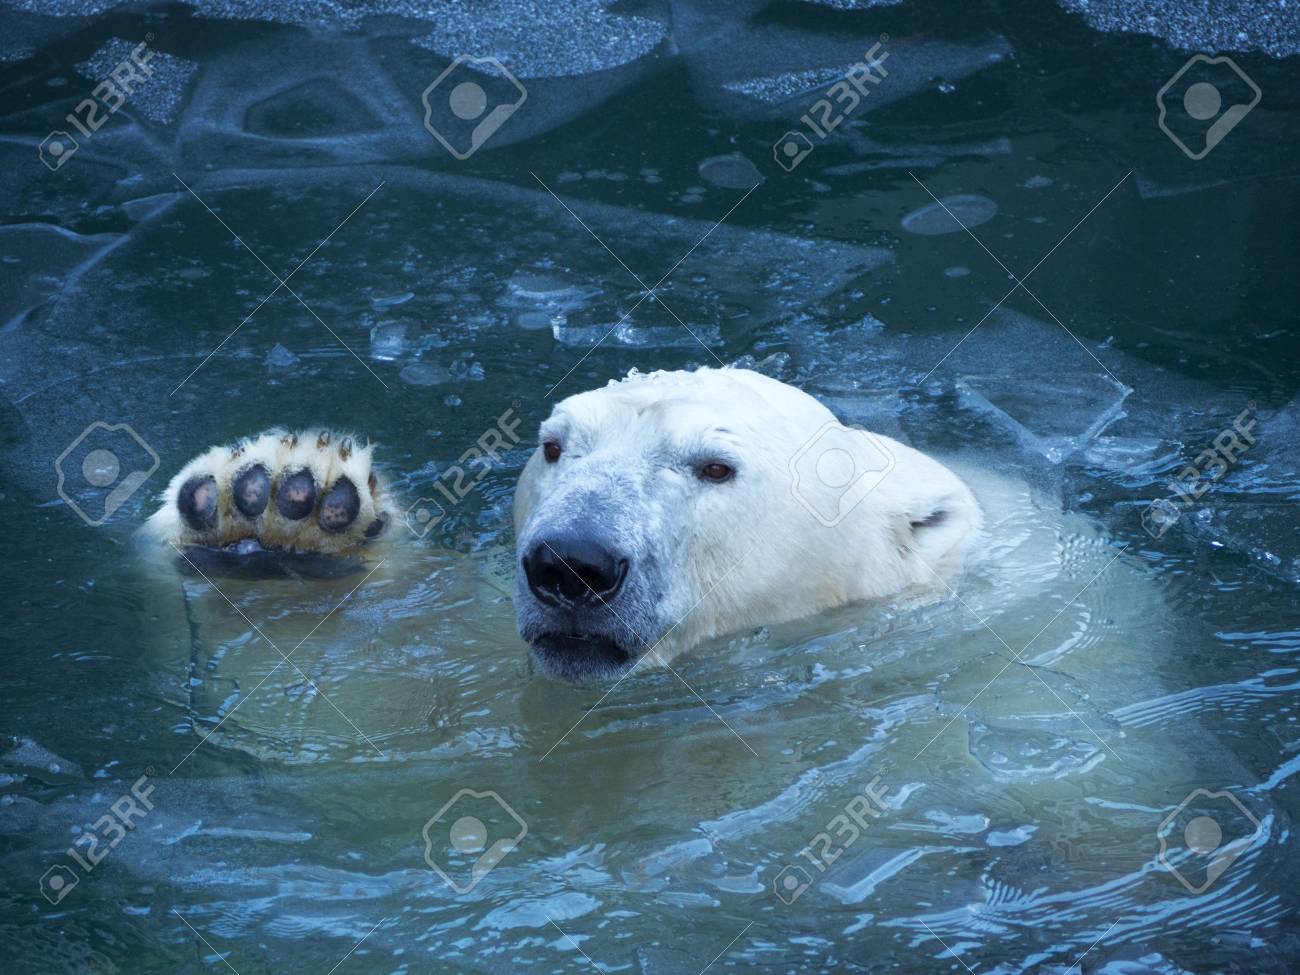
pixel 158 97
pixel 950 215
pixel 543 300
pixel 1262 531
pixel 280 358
pixel 533 290
pixel 1011 837
pixel 28 754
pixel 535 321
pixel 387 341
pixel 1054 419
pixel 1136 457
pixel 639 336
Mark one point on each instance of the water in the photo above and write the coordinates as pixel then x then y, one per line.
pixel 990 771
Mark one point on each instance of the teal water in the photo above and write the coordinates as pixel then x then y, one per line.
pixel 291 807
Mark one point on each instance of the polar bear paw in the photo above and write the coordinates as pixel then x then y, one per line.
pixel 311 491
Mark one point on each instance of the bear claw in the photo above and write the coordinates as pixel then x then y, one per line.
pixel 289 491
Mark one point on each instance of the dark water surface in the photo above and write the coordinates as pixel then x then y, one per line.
pixel 981 783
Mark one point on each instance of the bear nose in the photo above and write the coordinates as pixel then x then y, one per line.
pixel 573 571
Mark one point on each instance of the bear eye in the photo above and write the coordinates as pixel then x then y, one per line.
pixel 551 451
pixel 716 471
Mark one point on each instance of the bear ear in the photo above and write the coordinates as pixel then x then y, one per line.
pixel 934 526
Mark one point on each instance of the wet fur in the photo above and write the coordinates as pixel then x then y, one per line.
pixel 712 559
pixel 328 527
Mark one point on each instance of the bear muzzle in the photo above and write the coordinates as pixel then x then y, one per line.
pixel 570 571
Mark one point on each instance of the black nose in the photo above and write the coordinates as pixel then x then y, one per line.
pixel 571 571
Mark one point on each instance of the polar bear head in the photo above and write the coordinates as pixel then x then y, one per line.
pixel 668 508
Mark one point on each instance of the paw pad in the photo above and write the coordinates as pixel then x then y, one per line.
pixel 197 501
pixel 297 495
pixel 251 491
pixel 340 507
pixel 287 491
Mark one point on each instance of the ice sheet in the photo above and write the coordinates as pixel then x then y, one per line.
pixel 1055 417
pixel 159 98
pixel 551 40
pixel 1271 26
pixel 38 260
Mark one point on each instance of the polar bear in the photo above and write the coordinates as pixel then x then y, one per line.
pixel 655 513
pixel 669 508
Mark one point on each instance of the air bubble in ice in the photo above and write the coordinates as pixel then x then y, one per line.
pixel 950 215
pixel 734 172
pixel 424 374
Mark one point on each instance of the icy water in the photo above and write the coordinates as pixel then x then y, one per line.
pixel 1083 760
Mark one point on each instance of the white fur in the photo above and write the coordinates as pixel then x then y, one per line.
pixel 327 454
pixel 746 552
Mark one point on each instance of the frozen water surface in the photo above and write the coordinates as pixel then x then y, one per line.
pixel 1271 26
pixel 987 772
pixel 159 97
